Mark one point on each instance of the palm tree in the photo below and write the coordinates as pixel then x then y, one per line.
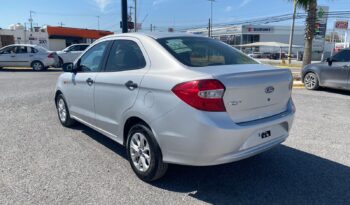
pixel 310 6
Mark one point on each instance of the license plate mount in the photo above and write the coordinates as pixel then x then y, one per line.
pixel 266 134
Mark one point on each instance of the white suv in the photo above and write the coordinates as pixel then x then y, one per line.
pixel 69 54
pixel 25 55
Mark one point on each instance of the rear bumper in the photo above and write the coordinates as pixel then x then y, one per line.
pixel 191 137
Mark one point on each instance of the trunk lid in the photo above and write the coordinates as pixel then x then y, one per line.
pixel 253 91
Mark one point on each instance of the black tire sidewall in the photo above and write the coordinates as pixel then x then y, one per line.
pixel 156 156
pixel 68 121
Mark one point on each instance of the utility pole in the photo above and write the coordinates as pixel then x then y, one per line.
pixel 31 20
pixel 209 28
pixel 211 17
pixel 61 24
pixel 292 34
pixel 135 15
pixel 124 16
pixel 151 27
pixel 98 22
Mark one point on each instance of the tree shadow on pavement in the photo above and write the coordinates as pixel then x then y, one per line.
pixel 282 175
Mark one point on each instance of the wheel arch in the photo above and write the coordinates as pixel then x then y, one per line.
pixel 133 120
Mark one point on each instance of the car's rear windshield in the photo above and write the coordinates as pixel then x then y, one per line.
pixel 202 52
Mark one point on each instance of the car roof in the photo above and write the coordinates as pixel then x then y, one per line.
pixel 154 35
pixel 28 45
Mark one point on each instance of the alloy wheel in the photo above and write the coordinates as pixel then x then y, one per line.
pixel 140 152
pixel 37 66
pixel 310 81
pixel 62 112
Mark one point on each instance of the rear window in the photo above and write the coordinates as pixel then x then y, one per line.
pixel 202 52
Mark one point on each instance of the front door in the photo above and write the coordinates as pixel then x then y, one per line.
pixel 81 91
pixel 117 87
pixel 6 56
pixel 336 75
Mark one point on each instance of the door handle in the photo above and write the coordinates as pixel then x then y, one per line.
pixel 89 81
pixel 131 85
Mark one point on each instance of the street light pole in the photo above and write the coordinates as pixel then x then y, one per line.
pixel 291 37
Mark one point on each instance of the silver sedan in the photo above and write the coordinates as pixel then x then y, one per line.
pixel 176 98
pixel 26 55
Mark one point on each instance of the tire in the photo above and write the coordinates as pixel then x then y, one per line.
pixel 145 157
pixel 63 112
pixel 311 81
pixel 60 63
pixel 38 66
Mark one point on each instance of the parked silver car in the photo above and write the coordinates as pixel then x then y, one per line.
pixel 25 55
pixel 69 54
pixel 333 72
pixel 179 99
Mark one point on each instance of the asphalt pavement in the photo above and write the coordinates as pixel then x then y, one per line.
pixel 43 163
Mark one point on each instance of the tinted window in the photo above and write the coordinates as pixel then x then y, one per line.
pixel 342 56
pixel 8 50
pixel 125 55
pixel 83 47
pixel 33 50
pixel 20 49
pixel 91 60
pixel 201 52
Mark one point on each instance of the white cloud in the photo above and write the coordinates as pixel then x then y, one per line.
pixel 102 4
pixel 228 8
pixel 244 3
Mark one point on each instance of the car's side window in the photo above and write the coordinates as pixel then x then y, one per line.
pixel 74 48
pixel 21 49
pixel 342 56
pixel 125 55
pixel 33 50
pixel 92 59
pixel 8 50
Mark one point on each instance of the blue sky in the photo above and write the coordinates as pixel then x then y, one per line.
pixel 162 13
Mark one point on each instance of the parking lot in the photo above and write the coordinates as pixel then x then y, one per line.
pixel 43 163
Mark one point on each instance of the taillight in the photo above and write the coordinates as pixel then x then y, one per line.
pixel 206 95
pixel 50 55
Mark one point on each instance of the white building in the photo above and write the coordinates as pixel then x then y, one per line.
pixel 18 34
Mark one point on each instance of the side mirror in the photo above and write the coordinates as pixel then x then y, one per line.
pixel 68 67
pixel 330 61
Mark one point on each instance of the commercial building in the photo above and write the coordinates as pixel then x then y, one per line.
pixel 61 37
pixel 245 34
pixel 50 37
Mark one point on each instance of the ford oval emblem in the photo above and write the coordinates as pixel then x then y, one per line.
pixel 269 89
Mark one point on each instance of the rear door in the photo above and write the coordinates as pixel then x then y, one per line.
pixel 117 87
pixel 337 74
pixel 80 91
pixel 21 56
